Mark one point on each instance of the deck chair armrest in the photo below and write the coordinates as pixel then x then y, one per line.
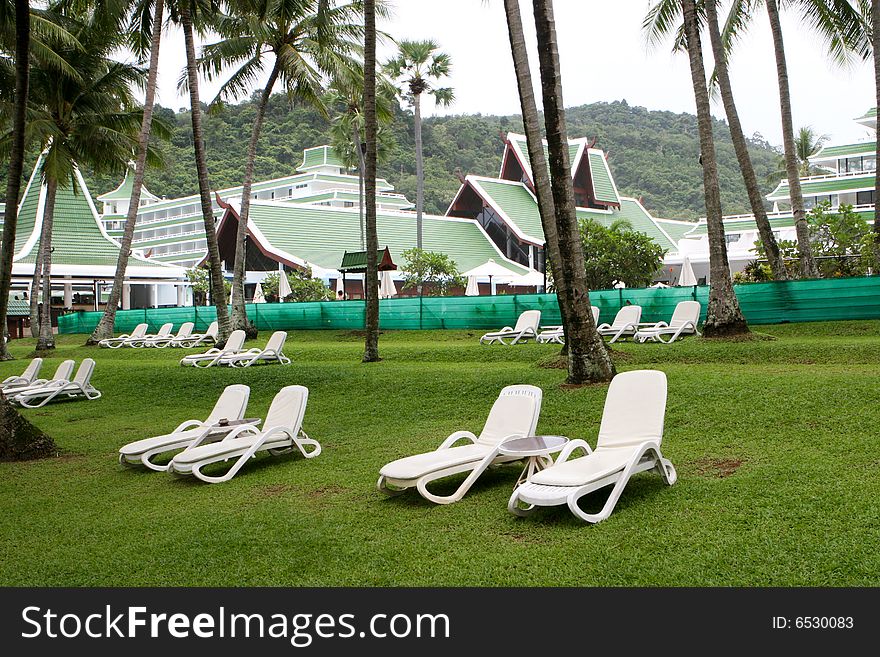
pixel 455 437
pixel 237 431
pixel 571 447
pixel 14 379
pixel 603 327
pixel 506 329
pixel 188 424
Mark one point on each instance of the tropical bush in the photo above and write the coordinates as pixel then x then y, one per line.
pixel 437 272
pixel 303 286
pixel 618 253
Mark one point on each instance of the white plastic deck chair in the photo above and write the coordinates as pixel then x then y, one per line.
pixel 196 339
pixel 62 375
pixel 163 332
pixel 27 377
pixel 629 442
pixel 231 405
pixel 557 334
pixel 526 328
pixel 684 321
pixel 79 387
pixel 183 333
pixel 215 355
pixel 283 434
pixel 120 341
pixel 626 323
pixel 514 413
pixel 273 353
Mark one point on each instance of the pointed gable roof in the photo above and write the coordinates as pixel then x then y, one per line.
pixel 123 192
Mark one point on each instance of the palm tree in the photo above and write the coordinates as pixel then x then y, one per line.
pixel 588 359
pixel 723 316
pixel 535 145
pixel 182 12
pixel 873 22
pixel 662 19
pixel 299 42
pixel 152 28
pixel 371 278
pixel 419 66
pixel 806 144
pixel 92 120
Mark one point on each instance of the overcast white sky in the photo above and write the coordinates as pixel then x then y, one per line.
pixel 604 59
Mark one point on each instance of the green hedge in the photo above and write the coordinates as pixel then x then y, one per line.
pixel 762 303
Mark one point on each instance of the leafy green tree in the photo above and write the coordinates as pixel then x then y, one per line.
pixel 418 67
pixel 435 270
pixel 837 238
pixel 618 253
pixel 303 286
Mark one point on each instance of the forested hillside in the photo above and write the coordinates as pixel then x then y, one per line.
pixel 652 154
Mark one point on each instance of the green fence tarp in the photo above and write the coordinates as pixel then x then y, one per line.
pixel 762 303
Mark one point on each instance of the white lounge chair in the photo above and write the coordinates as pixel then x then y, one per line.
pixel 525 329
pixel 629 442
pixel 62 374
pixel 27 377
pixel 163 332
pixel 514 413
pixel 79 387
pixel 183 333
pixel 283 433
pixel 557 333
pixel 197 339
pixel 231 405
pixel 684 321
pixel 215 355
pixel 625 324
pixel 122 340
pixel 271 354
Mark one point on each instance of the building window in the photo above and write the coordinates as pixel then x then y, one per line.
pixel 865 198
pixel 730 239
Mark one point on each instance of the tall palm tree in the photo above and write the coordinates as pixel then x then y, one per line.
pixel 588 359
pixel 806 144
pixel 144 28
pixel 535 146
pixel 872 15
pixel 183 13
pixel 419 66
pixel 723 316
pixel 93 120
pixel 371 278
pixel 662 19
pixel 300 43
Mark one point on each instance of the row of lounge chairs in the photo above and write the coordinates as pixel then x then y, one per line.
pixel 29 391
pixel 139 338
pixel 232 354
pixel 227 435
pixel 627 324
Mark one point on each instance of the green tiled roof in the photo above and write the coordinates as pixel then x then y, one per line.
pixel 631 211
pixel 846 150
pixel 18 308
pixel 676 229
pixel 123 192
pixel 870 114
pixel 573 147
pixel 354 197
pixel 776 222
pixel 320 156
pixel 603 187
pixel 321 235
pixel 825 186
pixel 516 201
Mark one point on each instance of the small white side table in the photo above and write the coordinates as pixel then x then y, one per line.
pixel 536 451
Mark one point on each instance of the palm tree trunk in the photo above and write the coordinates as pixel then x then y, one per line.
pixel 34 300
pixel 805 251
pixel 588 359
pixel 771 248
pixel 723 314
pixel 356 136
pixel 46 340
pixel 104 329
pixel 532 126
pixel 420 169
pixel 239 311
pixel 371 278
pixel 218 287
pixel 875 35
pixel 16 160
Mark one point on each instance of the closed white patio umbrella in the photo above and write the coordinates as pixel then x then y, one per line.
pixel 473 288
pixel 340 288
pixel 259 297
pixel 283 286
pixel 387 288
pixel 687 277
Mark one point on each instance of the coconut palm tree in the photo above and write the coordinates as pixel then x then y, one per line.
pixel 371 124
pixel 723 316
pixel 806 144
pixel 662 19
pixel 300 43
pixel 143 28
pixel 92 120
pixel 419 66
pixel 186 13
pixel 871 11
pixel 588 359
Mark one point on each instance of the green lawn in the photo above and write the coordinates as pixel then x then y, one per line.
pixel 798 415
